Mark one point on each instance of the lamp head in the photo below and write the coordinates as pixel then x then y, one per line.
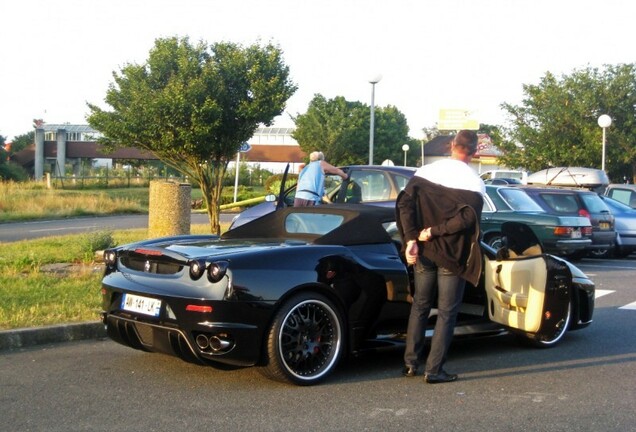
pixel 604 121
pixel 375 79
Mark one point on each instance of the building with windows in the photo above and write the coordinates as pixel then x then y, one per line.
pixel 57 145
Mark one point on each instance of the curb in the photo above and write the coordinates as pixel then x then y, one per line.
pixel 28 337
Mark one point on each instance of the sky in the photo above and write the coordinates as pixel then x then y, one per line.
pixel 57 55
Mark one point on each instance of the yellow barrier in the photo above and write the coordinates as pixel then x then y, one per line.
pixel 242 203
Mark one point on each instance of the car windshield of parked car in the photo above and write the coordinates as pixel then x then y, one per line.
pixel 518 200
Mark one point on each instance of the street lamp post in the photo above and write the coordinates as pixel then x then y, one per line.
pixel 604 122
pixel 373 82
pixel 405 148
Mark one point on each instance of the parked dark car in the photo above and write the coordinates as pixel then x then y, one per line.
pixel 298 289
pixel 625 224
pixel 579 202
pixel 558 234
pixel 366 184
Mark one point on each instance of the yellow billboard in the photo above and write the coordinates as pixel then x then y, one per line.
pixel 456 119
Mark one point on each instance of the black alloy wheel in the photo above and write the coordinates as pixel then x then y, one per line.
pixel 305 340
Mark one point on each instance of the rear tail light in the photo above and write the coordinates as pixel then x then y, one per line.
pixel 587 230
pixel 585 213
pixel 110 257
pixel 563 231
pixel 197 268
pixel 216 271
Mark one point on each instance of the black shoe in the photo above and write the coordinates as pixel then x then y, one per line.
pixel 409 371
pixel 441 377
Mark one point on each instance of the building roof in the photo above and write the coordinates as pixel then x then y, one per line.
pixel 275 153
pixel 438 146
pixel 92 150
pixel 69 128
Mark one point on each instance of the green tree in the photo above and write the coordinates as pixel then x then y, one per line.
pixel 336 127
pixel 193 106
pixel 20 142
pixel 340 129
pixel 8 169
pixel 556 124
pixel 391 133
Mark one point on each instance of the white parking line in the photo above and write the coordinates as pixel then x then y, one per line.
pixel 600 293
pixel 631 306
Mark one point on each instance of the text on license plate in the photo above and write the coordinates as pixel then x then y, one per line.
pixel 604 225
pixel 576 233
pixel 139 304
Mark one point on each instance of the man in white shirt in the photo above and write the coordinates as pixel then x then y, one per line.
pixel 438 217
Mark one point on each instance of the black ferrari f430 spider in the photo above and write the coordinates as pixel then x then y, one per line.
pixel 297 290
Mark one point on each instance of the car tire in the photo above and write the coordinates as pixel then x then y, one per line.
pixel 305 340
pixel 601 253
pixel 543 341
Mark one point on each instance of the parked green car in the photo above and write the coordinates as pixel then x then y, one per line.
pixel 559 235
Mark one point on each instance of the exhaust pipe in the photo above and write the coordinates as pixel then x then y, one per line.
pixel 217 344
pixel 202 341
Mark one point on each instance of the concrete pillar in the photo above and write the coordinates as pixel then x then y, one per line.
pixel 61 153
pixel 77 167
pixel 169 208
pixel 38 169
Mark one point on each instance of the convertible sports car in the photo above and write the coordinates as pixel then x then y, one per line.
pixel 298 289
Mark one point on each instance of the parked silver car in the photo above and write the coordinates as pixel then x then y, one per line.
pixel 377 185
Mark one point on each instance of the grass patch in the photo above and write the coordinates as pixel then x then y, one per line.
pixel 21 201
pixel 32 297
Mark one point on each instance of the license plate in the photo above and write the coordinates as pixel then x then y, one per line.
pixel 604 225
pixel 576 234
pixel 139 304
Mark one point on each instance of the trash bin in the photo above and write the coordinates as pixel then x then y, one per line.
pixel 169 208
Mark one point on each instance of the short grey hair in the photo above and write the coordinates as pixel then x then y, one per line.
pixel 317 155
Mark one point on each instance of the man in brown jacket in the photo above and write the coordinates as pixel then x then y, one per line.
pixel 438 216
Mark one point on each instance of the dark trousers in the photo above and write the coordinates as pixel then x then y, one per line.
pixel 431 280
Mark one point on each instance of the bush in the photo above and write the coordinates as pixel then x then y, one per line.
pixel 13 171
pixel 272 184
pixel 96 241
